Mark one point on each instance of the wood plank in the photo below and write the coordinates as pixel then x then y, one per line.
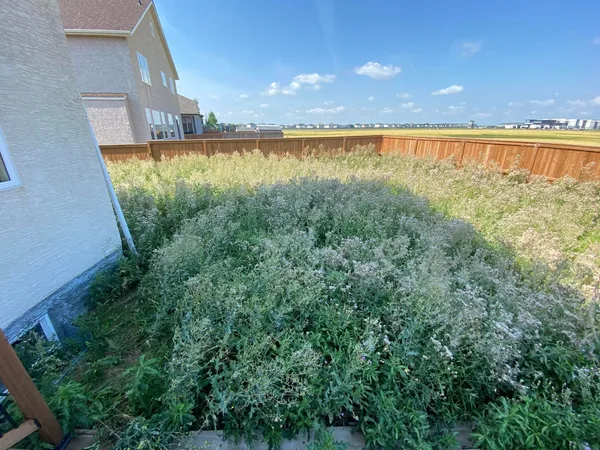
pixel 25 393
pixel 16 435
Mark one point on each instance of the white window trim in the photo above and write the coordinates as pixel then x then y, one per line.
pixel 48 328
pixel 172 85
pixel 10 168
pixel 164 78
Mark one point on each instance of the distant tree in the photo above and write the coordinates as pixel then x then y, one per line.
pixel 212 121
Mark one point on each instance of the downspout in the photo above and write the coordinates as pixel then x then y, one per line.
pixel 113 196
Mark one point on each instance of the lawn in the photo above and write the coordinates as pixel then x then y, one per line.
pixel 396 295
pixel 557 136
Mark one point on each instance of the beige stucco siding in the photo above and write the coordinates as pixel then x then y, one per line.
pixel 103 64
pixel 110 120
pixel 59 222
pixel 156 97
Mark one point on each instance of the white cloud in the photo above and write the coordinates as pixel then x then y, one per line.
pixel 264 105
pixel 596 41
pixel 456 108
pixel 533 112
pixel 387 111
pixel 371 98
pixel 407 105
pixel 273 89
pixel 314 87
pixel 294 85
pixel 596 101
pixel 418 110
pixel 509 113
pixel 313 78
pixel 584 113
pixel 403 95
pixel 548 102
pixel 470 48
pixel 328 103
pixel 213 97
pixel 576 103
pixel 483 114
pixel 377 71
pixel 454 89
pixel 247 112
pixel 244 95
pixel 336 110
pixel 515 104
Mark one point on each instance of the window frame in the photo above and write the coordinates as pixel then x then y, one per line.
pixel 164 78
pixel 6 161
pixel 144 68
pixel 172 85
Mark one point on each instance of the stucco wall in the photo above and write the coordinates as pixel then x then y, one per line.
pixel 156 97
pixel 103 64
pixel 110 120
pixel 59 223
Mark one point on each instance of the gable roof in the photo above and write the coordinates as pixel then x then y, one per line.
pixel 110 18
pixel 113 15
pixel 187 105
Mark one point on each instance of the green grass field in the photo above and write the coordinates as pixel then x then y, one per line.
pixel 563 137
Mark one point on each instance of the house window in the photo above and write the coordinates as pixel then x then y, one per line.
pixel 188 125
pixel 172 85
pixel 165 126
pixel 164 78
pixel 158 125
pixel 152 29
pixel 8 175
pixel 171 125
pixel 144 70
pixel 150 123
pixel 178 128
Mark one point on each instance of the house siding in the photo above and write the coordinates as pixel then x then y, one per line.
pixel 58 224
pixel 110 120
pixel 156 97
pixel 103 64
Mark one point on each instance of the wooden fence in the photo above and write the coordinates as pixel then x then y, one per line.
pixel 547 159
pixel 237 135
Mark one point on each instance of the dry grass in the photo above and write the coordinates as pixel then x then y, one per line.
pixel 563 137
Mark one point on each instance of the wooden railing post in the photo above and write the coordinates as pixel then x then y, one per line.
pixel 204 147
pixel 257 144
pixel 25 393
pixel 344 145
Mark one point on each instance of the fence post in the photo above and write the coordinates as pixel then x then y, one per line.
pixel 155 153
pixel 25 393
pixel 257 144
pixel 204 147
pixel 535 153
pixel 461 154
pixel 344 145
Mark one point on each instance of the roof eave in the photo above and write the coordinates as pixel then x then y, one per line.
pixel 85 32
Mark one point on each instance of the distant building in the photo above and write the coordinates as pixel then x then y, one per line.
pixel 191 118
pixel 124 69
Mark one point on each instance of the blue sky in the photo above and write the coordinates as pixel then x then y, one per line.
pixel 312 61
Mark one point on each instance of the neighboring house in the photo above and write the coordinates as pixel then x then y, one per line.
pixel 191 118
pixel 124 69
pixel 58 226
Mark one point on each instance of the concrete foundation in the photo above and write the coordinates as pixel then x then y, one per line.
pixel 64 304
